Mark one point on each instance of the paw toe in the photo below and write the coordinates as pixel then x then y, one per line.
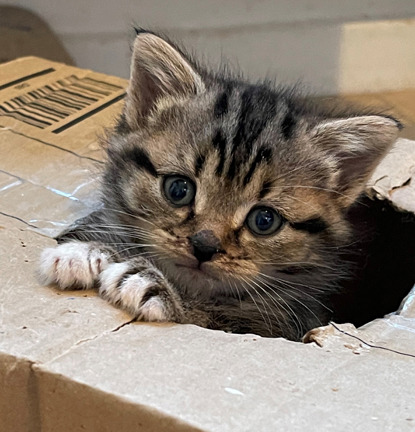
pixel 135 293
pixel 72 265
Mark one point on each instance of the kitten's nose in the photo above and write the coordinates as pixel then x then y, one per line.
pixel 205 245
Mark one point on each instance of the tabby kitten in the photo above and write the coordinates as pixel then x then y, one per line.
pixel 224 202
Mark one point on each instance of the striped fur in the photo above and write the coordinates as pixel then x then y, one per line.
pixel 243 146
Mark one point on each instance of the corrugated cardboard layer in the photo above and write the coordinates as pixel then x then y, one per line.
pixel 70 361
pixel 94 410
pixel 19 410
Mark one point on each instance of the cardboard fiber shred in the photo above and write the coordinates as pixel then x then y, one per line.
pixel 70 361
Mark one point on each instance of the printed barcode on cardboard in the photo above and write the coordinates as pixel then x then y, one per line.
pixel 56 101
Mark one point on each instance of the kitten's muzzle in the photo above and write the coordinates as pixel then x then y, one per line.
pixel 205 244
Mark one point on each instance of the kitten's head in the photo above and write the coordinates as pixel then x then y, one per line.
pixel 235 187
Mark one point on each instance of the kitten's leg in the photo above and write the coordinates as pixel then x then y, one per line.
pixel 134 285
pixel 75 264
pixel 142 290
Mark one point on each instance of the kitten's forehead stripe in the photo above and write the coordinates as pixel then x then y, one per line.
pixel 222 102
pixel 266 187
pixel 258 108
pixel 140 158
pixel 264 155
pixel 219 142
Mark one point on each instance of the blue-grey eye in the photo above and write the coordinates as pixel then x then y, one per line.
pixel 264 221
pixel 180 191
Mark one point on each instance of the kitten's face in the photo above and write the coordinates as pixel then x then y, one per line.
pixel 233 187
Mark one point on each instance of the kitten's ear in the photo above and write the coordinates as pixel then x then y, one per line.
pixel 356 146
pixel 158 70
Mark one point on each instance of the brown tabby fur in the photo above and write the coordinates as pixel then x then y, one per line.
pixel 243 145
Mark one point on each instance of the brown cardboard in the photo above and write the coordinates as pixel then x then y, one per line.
pixel 36 156
pixel 71 362
pixel 392 178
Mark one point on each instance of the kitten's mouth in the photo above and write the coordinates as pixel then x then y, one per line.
pixel 200 269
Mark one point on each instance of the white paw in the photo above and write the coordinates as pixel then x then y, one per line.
pixel 72 265
pixel 135 293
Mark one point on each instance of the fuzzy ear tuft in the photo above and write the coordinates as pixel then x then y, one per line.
pixel 158 70
pixel 356 145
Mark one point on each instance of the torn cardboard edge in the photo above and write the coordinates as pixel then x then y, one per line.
pixel 394 178
pixel 52 164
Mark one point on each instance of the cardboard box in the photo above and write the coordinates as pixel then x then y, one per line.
pixel 71 362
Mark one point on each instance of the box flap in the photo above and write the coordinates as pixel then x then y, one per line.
pixel 51 120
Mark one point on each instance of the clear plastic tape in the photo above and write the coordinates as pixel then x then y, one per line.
pixel 48 210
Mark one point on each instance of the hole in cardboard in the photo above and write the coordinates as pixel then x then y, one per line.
pixel 385 255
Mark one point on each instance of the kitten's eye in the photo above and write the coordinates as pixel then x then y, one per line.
pixel 263 221
pixel 180 191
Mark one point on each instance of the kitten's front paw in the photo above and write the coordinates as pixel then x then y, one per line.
pixel 140 289
pixel 73 265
